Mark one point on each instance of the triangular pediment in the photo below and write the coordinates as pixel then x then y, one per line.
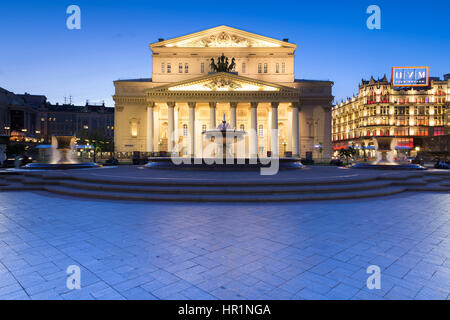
pixel 222 81
pixel 223 37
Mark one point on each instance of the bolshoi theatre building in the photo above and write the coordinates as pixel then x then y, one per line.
pixel 200 78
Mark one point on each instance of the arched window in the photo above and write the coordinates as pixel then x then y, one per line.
pixel 265 67
pixel 186 68
pixel 185 130
pixel 277 68
pixel 180 68
pixel 259 67
pixel 134 128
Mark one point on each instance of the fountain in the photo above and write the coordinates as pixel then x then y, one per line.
pixel 385 157
pixel 226 136
pixel 223 138
pixel 62 151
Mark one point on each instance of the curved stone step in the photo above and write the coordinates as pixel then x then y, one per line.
pixel 224 190
pixel 222 198
pixel 262 180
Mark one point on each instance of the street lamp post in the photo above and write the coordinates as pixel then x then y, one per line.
pixel 284 143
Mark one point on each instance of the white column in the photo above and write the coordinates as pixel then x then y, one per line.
pixel 150 127
pixel 171 126
pixel 274 132
pixel 192 129
pixel 212 115
pixel 295 132
pixel 253 127
pixel 233 106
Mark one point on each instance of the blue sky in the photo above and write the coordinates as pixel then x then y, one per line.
pixel 39 55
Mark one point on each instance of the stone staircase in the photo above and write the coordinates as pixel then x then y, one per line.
pixel 264 190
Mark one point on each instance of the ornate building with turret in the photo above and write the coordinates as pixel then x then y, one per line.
pixel 415 116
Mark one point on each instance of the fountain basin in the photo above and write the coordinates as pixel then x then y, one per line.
pixel 207 164
pixel 388 166
pixel 60 166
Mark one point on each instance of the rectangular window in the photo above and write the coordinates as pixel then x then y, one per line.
pixel 277 68
pixel 439 131
pixel 202 67
pixel 162 67
pixel 243 67
pixel 180 68
pixel 283 67
pixel 259 68
pixel 186 68
pixel 169 68
pixel 261 131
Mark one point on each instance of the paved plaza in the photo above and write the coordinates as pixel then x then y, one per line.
pixel 310 250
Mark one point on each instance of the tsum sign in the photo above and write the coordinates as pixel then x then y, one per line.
pixel 410 76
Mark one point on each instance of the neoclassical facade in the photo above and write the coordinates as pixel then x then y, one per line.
pixel 258 94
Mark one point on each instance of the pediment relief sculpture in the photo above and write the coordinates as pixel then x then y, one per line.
pixel 222 40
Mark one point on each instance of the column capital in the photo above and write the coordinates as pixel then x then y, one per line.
pixel 296 105
pixel 171 104
pixel 233 104
pixel 212 104
pixel 274 104
pixel 254 104
pixel 150 104
pixel 192 104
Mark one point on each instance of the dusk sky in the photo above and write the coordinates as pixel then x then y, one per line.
pixel 40 55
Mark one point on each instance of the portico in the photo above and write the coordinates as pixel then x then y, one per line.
pixel 210 105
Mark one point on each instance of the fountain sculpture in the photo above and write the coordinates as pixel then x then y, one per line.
pixel 226 137
pixel 385 157
pixel 62 151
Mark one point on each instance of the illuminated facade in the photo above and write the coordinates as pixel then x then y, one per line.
pixel 259 94
pixel 409 114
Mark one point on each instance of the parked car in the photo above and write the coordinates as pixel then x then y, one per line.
pixel 306 161
pixel 442 164
pixel 336 162
pixel 112 162
pixel 11 162
pixel 418 160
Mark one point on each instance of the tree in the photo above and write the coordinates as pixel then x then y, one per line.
pixel 347 153
pixel 97 139
pixel 364 148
